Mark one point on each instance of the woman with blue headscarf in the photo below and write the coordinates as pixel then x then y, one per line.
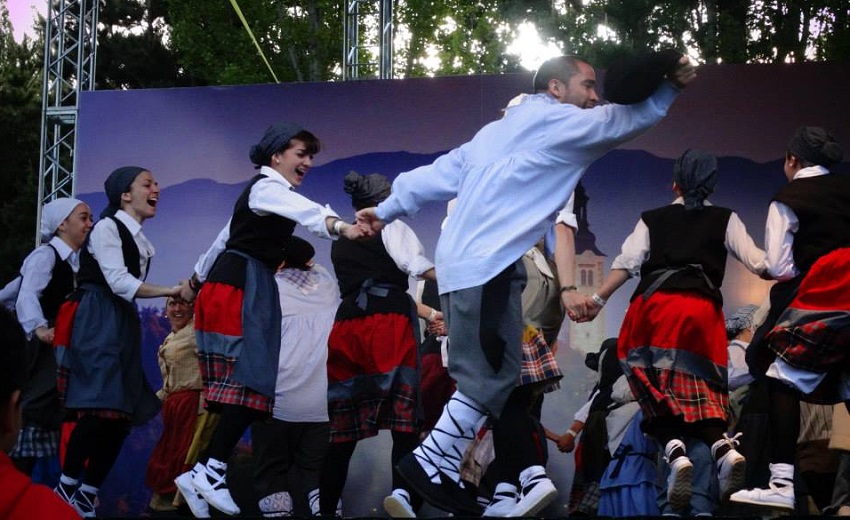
pixel 672 342
pixel 237 313
pixel 98 337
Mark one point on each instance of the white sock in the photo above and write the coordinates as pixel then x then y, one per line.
pixel 68 481
pixel 87 488
pixel 443 448
pixel 782 474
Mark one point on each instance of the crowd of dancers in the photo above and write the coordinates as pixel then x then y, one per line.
pixel 264 339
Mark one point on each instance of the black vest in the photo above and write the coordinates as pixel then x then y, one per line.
pixel 261 237
pixel 356 261
pixel 822 206
pixel 60 286
pixel 89 268
pixel 680 237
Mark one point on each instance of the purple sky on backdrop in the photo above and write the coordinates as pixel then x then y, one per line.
pixel 741 110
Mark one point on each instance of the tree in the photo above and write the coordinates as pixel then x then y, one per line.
pixel 133 50
pixel 20 118
pixel 301 40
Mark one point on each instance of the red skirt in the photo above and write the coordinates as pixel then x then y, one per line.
pixel 673 350
pixel 218 316
pixel 372 377
pixel 813 333
pixel 167 461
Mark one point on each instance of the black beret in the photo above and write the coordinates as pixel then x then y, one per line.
pixel 633 78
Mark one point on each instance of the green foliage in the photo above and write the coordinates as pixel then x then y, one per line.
pixel 20 118
pixel 301 40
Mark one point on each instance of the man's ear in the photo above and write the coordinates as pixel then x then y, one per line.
pixel 554 87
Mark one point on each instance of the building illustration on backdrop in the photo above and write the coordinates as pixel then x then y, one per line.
pixel 590 272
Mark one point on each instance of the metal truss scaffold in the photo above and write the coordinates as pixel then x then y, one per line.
pixel 368 28
pixel 69 69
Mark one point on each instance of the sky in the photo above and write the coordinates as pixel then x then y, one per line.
pixel 22 13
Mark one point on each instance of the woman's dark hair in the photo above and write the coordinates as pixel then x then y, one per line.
pixel 311 142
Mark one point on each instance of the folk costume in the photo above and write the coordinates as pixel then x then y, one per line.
pixel 802 345
pixel 373 363
pixel 532 158
pixel 48 276
pixel 672 342
pixel 237 312
pixel 187 425
pixel 98 347
pixel 290 446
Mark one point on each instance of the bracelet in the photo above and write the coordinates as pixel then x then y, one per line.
pixel 599 300
pixel 572 433
pixel 568 288
pixel 432 316
pixel 337 227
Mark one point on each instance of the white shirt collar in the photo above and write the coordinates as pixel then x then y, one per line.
pixel 132 226
pixel 61 247
pixel 274 175
pixel 811 171
pixel 681 200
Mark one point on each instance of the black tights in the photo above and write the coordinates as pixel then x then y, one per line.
pixel 784 414
pixel 231 427
pixel 518 438
pixel 335 470
pixel 97 440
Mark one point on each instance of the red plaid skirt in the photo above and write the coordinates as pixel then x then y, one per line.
pixel 372 377
pixel 673 350
pixel 218 311
pixel 814 331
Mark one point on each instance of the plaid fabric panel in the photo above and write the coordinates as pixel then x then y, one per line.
pixel 34 441
pixel 219 386
pixel 816 341
pixel 664 393
pixel 352 420
pixel 61 341
pixel 538 362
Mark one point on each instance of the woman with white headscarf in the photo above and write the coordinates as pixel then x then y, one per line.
pixel 48 274
pixel 672 343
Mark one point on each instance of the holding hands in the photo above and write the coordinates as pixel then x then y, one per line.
pixel 583 308
pixel 368 221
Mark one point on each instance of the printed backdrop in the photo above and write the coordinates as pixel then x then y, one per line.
pixel 196 142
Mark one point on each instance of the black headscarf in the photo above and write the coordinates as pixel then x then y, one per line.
pixel 274 140
pixel 367 190
pixel 119 182
pixel 695 173
pixel 815 145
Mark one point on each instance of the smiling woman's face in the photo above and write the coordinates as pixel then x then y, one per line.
pixel 294 162
pixel 178 313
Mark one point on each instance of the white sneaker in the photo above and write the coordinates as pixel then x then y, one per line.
pixel 197 505
pixel 731 473
pixel 731 467
pixel 398 505
pixel 504 500
pixel 680 477
pixel 537 492
pixel 780 497
pixel 211 484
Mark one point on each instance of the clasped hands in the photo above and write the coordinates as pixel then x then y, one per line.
pixel 579 307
